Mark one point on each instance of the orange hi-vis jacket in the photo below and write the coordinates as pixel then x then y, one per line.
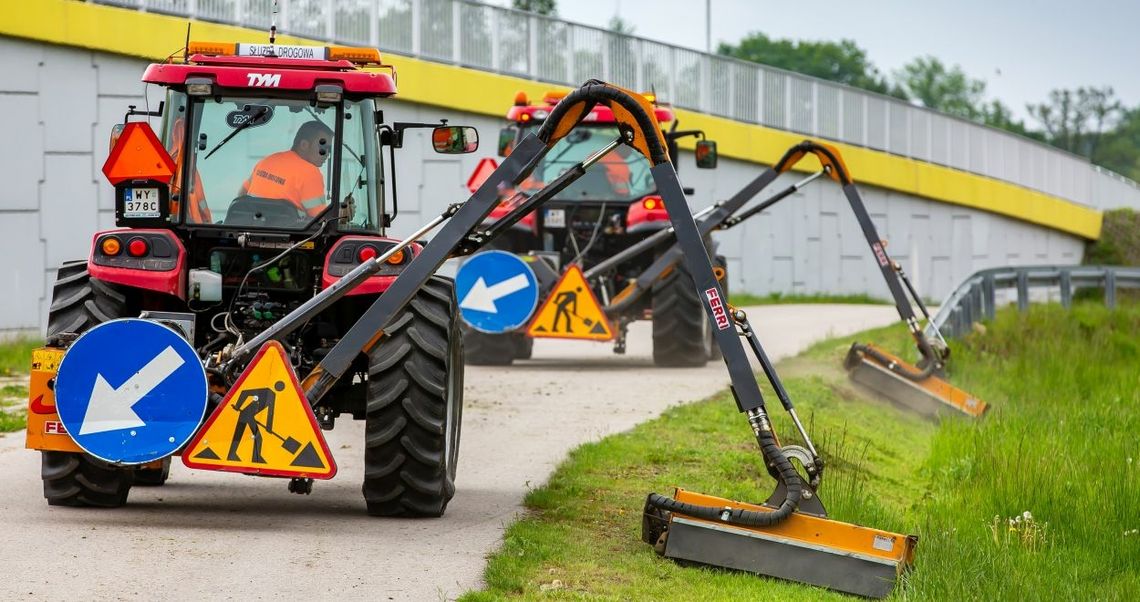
pixel 617 172
pixel 285 175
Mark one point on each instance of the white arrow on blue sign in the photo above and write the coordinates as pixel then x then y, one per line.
pixel 497 291
pixel 131 391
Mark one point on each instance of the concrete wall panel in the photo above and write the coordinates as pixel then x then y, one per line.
pixel 808 243
pixel 68 214
pixel 66 94
pixel 23 248
pixel 20 64
pixel 22 154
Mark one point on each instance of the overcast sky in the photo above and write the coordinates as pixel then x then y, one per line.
pixel 1021 48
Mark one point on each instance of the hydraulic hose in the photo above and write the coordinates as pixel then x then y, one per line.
pixel 771 452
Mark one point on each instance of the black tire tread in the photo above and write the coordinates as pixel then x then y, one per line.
pixel 679 322
pixel 70 478
pixel 410 372
pixel 482 349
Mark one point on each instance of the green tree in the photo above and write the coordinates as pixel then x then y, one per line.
pixel 996 114
pixel 548 8
pixel 1077 120
pixel 620 25
pixel 949 90
pixel 1120 148
pixel 841 62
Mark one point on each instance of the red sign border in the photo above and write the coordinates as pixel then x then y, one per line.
pixel 190 463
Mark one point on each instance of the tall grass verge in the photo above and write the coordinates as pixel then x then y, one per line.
pixel 1039 499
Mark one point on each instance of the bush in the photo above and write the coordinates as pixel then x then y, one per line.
pixel 1119 242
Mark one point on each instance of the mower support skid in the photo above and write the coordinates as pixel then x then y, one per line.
pixel 803 548
pixel 931 396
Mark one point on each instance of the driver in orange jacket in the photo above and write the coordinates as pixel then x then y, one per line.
pixel 295 175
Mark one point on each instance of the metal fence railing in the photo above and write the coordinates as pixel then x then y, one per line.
pixel 976 299
pixel 546 49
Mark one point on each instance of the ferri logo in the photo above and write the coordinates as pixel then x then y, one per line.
pixel 880 254
pixel 264 80
pixel 717 307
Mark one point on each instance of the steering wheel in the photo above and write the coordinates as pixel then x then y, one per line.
pixel 261 212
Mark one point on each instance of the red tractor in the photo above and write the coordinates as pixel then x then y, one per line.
pixel 600 215
pixel 278 190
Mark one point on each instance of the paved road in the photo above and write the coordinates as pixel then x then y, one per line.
pixel 225 536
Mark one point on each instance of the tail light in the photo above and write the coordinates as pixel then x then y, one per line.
pixel 366 253
pixel 111 246
pixel 137 247
pixel 649 212
pixel 397 258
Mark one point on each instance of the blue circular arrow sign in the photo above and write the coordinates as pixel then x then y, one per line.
pixel 497 291
pixel 130 391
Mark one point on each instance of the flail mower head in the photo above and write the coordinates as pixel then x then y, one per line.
pixel 919 389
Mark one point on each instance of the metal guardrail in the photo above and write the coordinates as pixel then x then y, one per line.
pixel 976 298
pixel 523 44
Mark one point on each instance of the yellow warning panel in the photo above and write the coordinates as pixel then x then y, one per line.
pixel 571 312
pixel 263 426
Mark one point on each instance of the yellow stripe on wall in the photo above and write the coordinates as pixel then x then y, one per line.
pixel 153 36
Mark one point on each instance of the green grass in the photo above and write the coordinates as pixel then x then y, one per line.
pixel 745 299
pixel 15 355
pixel 11 422
pixel 1060 442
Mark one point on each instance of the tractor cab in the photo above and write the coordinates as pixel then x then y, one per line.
pixel 279 137
pixel 272 147
pixel 602 214
pixel 618 199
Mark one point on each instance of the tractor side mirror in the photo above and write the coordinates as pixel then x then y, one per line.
pixel 506 141
pixel 706 154
pixel 454 139
pixel 116 131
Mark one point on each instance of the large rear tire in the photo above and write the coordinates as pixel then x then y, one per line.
pixel 681 331
pixel 482 349
pixel 415 407
pixel 70 478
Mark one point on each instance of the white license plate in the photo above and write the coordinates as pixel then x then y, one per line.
pixel 140 202
pixel 555 218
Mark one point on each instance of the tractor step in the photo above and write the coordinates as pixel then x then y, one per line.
pixel 804 548
pixel 931 397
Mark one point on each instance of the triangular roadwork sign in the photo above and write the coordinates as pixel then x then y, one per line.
pixel 138 155
pixel 263 426
pixel 571 312
pixel 483 170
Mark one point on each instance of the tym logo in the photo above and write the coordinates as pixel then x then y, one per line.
pixel 717 307
pixel 264 80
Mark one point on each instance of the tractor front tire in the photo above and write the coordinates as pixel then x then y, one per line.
pixel 153 477
pixel 415 407
pixel 73 478
pixel 483 349
pixel 524 346
pixel 681 330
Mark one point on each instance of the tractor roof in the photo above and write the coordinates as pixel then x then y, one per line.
pixel 266 66
pixel 525 113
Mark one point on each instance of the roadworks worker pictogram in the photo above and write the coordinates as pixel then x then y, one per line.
pixel 263 426
pixel 571 312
